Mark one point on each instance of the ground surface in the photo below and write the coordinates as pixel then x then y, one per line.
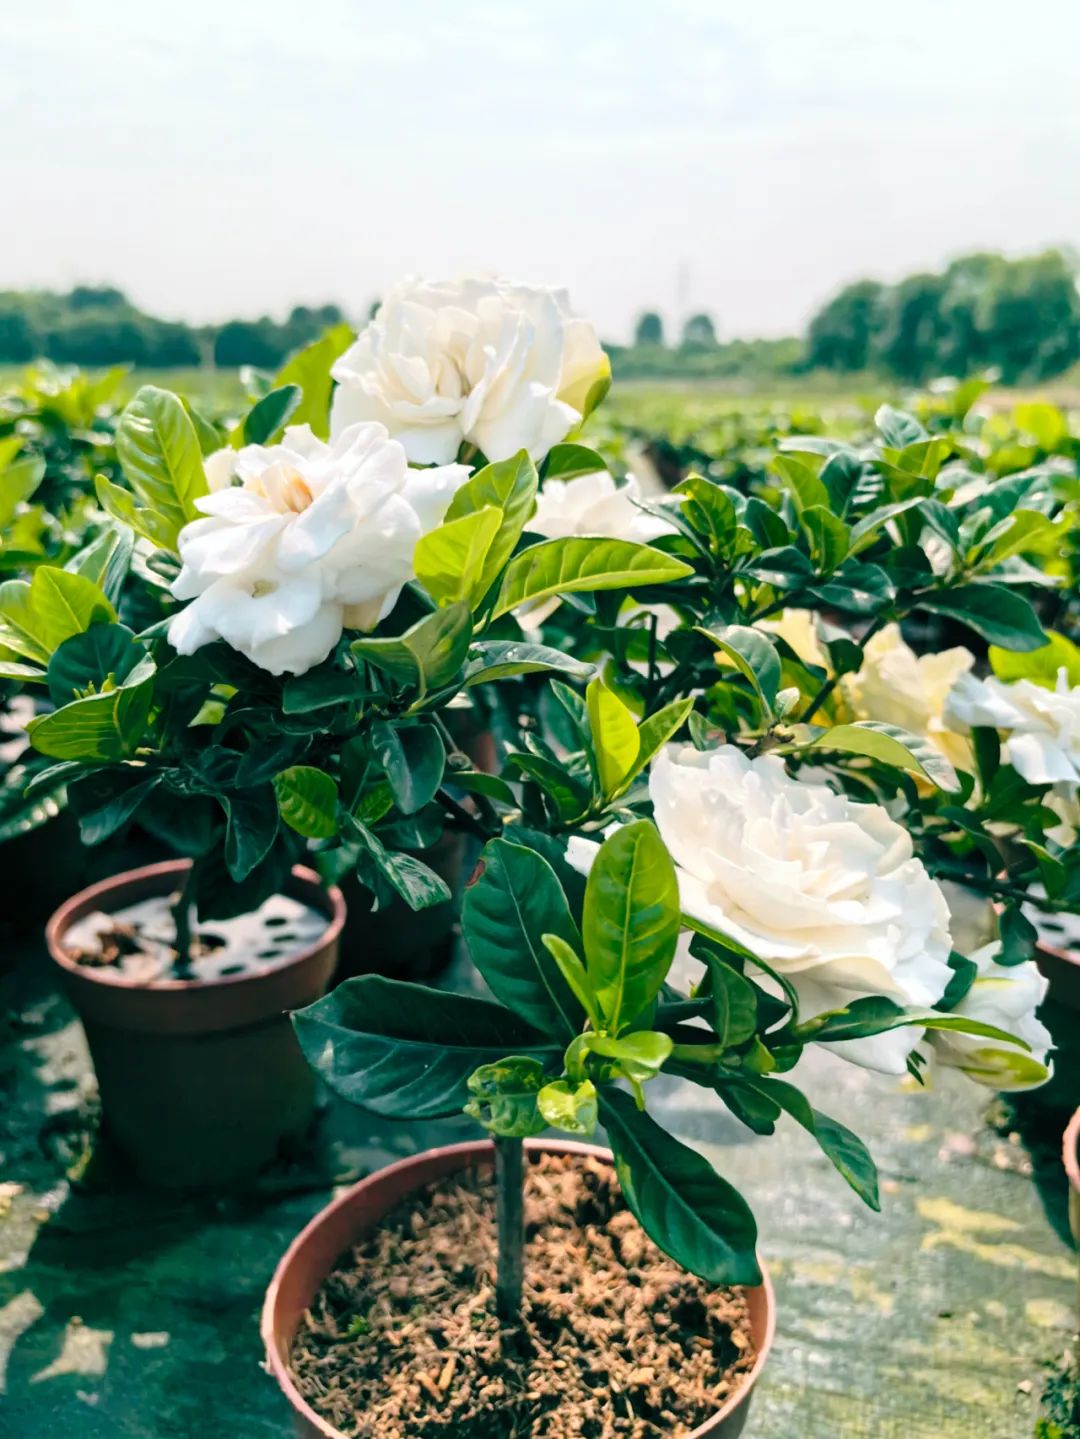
pixel 126 1315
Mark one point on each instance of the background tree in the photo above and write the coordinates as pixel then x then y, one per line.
pixel 699 332
pixel 649 329
pixel 842 334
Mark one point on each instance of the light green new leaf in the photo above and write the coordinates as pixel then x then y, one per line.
pixel 653 735
pixel 1041 666
pixel 310 369
pixel 509 486
pixel 614 736
pixel 567 566
pixel 101 727
pixel 428 655
pixel 39 614
pixel 570 1107
pixel 160 456
pixel 640 1055
pixel 307 800
pixel 631 922
pixel 889 744
pixel 450 561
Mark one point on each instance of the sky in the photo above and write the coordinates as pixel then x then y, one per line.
pixel 234 157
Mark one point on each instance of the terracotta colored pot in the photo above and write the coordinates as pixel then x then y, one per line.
pixel 314 1252
pixel 199 1079
pixel 1062 969
pixel 1071 1156
pixel 399 942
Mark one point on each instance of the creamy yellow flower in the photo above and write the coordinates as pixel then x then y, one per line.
pixel 899 687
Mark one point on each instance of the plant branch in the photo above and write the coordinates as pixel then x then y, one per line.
pixel 466 820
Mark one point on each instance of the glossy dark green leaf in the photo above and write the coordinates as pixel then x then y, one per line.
pixel 845 1150
pixel 87 660
pixel 104 800
pixel 252 816
pixel 406 1051
pixel 500 659
pixel 514 900
pixel 996 612
pixel 414 758
pixel 307 801
pixel 267 416
pixel 428 655
pixel 677 1197
pixel 754 655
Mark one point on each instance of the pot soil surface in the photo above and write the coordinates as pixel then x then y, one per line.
pixel 139 939
pixel 403 1341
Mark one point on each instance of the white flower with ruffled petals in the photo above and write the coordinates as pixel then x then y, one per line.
pixel 826 891
pixel 1041 726
pixel 496 365
pixel 302 539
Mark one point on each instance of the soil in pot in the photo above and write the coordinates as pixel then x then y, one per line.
pixel 402 1341
pixel 137 940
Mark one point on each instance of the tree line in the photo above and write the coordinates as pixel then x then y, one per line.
pixel 982 311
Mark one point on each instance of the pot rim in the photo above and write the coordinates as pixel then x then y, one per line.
pixel 65 915
pixel 1070 1152
pixel 277 1363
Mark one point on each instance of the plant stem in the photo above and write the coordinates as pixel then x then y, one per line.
pixel 510 1224
pixel 830 684
pixel 464 819
pixel 183 912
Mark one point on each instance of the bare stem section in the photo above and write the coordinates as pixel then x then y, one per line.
pixel 510 1218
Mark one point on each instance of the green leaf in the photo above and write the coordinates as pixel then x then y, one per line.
pixel 874 1014
pixel 108 726
pixel 18 481
pixel 477 782
pixel 120 504
pixel 830 537
pixel 573 972
pixel 640 1055
pixel 415 882
pixel 614 734
pixel 267 416
pixel 631 922
pixel 898 428
pixel 654 733
pixel 802 482
pixel 510 487
pixel 106 560
pixel 889 745
pixel 320 689
pixel 846 1151
pixel 505 1094
pixel 307 800
pixel 710 509
pixel 1041 666
pixel 514 900
pixel 732 1003
pixel 754 655
pixel 406 1051
pixel 499 659
pixel 89 659
pixel 569 462
pixel 570 797
pixel 566 566
pixel 677 1197
pixel 1045 423
pixel 451 562
pixel 40 614
pixel 310 369
pixel 570 1107
pixel 996 612
pixel 428 655
pixel 252 827
pixel 159 454
pixel 413 758
pixel 104 800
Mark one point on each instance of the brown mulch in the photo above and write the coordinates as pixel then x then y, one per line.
pixel 403 1341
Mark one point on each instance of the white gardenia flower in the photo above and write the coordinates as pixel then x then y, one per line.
pixel 899 687
pixel 595 505
pixel 501 366
pixel 1007 997
pixel 1041 726
pixel 827 891
pixel 303 539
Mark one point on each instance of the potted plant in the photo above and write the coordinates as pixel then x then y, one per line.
pixel 642 906
pixel 273 707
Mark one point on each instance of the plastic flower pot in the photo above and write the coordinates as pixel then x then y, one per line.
pixel 315 1251
pixel 1071 1156
pixel 396 941
pixel 1062 969
pixel 200 1080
